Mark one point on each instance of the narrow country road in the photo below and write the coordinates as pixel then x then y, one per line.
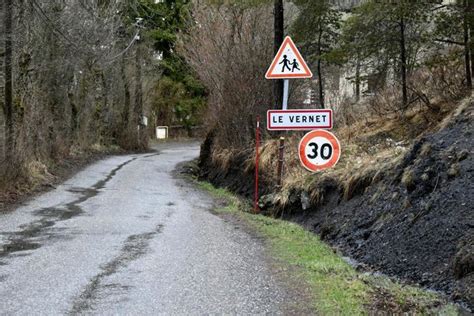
pixel 125 236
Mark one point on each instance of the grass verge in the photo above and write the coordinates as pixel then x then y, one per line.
pixel 336 287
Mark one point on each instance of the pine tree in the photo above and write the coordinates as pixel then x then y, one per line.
pixel 455 26
pixel 381 36
pixel 316 30
pixel 179 95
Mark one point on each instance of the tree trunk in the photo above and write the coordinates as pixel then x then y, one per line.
pixel 8 102
pixel 105 93
pixel 321 86
pixel 357 81
pixel 127 100
pixel 320 75
pixel 471 46
pixel 403 63
pixel 105 104
pixel 279 21
pixel 138 104
pixel 74 118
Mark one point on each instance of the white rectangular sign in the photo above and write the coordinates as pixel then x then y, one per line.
pixel 162 132
pixel 281 120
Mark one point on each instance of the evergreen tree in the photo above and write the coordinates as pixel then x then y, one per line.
pixel 383 36
pixel 179 96
pixel 316 30
pixel 455 26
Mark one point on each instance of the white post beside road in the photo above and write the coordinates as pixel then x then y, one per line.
pixel 285 94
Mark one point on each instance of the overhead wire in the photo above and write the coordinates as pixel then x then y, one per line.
pixel 135 38
pixel 48 20
pixel 51 24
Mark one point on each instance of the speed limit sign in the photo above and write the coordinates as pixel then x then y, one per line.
pixel 319 150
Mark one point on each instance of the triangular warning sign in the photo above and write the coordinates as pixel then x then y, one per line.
pixel 288 63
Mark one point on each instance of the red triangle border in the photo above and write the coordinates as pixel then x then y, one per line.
pixel 306 74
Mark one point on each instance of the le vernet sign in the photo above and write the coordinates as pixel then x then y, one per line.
pixel 280 120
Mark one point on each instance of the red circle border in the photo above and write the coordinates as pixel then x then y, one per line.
pixel 319 133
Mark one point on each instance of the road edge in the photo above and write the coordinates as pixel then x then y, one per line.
pixel 354 292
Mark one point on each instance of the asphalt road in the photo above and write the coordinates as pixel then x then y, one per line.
pixel 125 236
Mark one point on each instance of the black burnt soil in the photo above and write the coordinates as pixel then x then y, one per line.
pixel 414 221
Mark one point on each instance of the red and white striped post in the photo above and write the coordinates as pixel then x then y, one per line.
pixel 257 158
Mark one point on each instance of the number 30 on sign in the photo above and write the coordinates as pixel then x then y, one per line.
pixel 319 150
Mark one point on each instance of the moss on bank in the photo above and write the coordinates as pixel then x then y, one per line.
pixel 336 287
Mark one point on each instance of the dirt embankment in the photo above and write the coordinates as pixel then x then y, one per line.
pixel 44 177
pixel 235 176
pixel 414 220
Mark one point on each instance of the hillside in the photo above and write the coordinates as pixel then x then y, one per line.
pixel 414 220
pixel 408 215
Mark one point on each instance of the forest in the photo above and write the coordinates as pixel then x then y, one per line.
pixel 82 75
pixel 78 77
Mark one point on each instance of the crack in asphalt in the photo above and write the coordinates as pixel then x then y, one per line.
pixel 23 240
pixel 133 248
pixel 101 184
pixel 152 155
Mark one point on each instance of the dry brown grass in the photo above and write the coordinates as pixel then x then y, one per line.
pixel 362 164
pixel 375 134
pixel 458 111
pixel 408 178
pixel 38 172
pixel 369 146
pixel 223 158
pixel 21 178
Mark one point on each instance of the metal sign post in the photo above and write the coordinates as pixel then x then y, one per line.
pixel 286 88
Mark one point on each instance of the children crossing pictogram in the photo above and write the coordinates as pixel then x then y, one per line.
pixel 295 65
pixel 285 63
pixel 288 63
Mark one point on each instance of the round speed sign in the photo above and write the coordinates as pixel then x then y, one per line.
pixel 319 150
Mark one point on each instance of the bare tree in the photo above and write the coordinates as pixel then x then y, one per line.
pixel 70 78
pixel 8 102
pixel 230 48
